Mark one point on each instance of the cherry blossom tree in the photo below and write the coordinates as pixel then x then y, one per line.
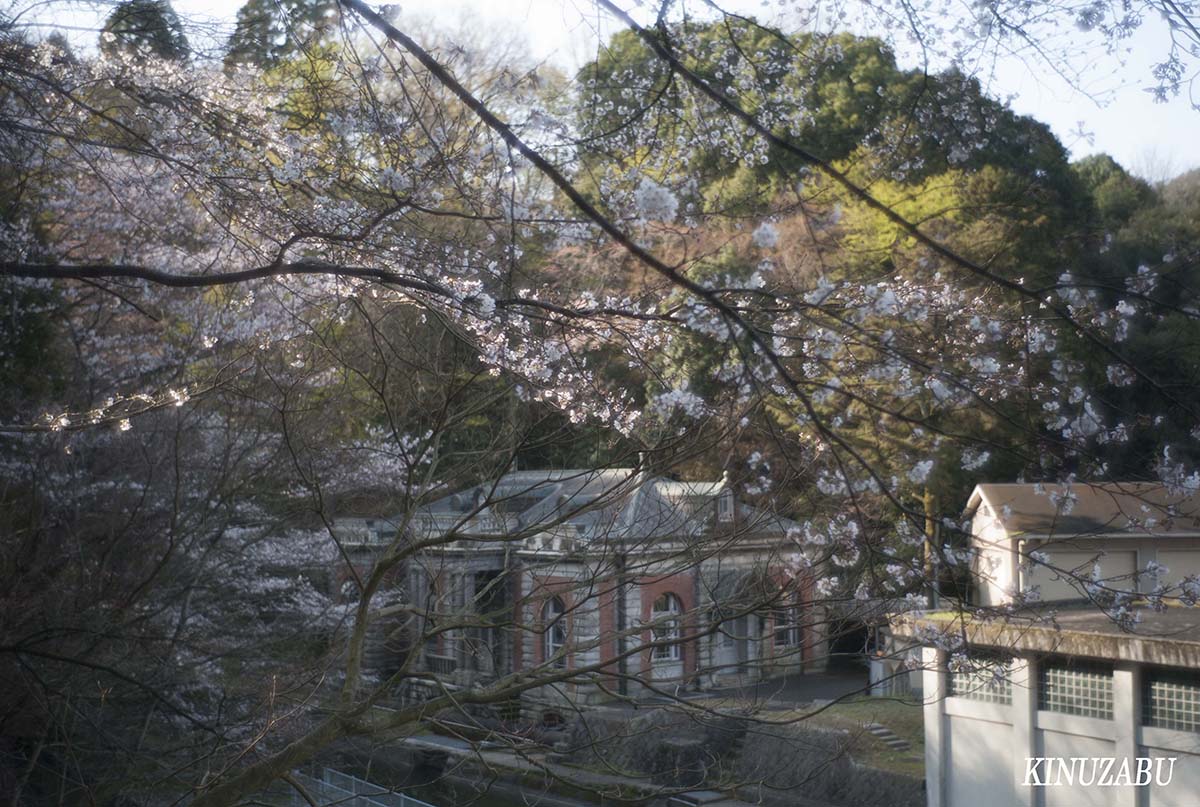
pixel 381 261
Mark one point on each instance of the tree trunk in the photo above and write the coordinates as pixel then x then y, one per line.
pixel 929 502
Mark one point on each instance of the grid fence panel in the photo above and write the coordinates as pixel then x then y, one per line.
pixel 1074 688
pixel 1171 700
pixel 344 790
pixel 987 680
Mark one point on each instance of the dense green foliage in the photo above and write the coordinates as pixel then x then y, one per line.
pixel 144 28
pixel 269 32
pixel 995 187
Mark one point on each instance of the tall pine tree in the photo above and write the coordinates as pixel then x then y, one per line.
pixel 144 28
pixel 269 31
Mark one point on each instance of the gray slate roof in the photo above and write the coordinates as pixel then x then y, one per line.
pixel 614 503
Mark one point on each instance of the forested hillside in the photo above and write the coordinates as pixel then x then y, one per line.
pixel 347 267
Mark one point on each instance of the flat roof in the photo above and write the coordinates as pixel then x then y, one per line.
pixel 1168 638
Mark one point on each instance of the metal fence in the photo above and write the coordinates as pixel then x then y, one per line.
pixel 982 679
pixel 1076 688
pixel 1171 700
pixel 343 790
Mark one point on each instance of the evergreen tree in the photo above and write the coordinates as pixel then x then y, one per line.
pixel 144 28
pixel 268 32
pixel 1116 194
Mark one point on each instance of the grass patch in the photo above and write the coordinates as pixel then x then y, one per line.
pixel 906 720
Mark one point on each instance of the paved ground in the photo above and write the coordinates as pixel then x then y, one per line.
pixel 841 680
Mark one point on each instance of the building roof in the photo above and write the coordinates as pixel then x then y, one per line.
pixel 1170 637
pixel 1111 509
pixel 613 503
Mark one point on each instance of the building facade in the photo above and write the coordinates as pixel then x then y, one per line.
pixel 1081 714
pixel 1107 532
pixel 1045 689
pixel 1035 543
pixel 636 585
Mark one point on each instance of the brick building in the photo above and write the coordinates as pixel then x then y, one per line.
pixel 639 583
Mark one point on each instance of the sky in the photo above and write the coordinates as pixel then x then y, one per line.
pixel 1116 115
pixel 1154 140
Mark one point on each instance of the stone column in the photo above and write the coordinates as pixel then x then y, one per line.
pixel 470 634
pixel 706 646
pixel 456 650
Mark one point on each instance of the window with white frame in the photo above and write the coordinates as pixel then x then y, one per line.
pixel 725 506
pixel 665 616
pixel 787 626
pixel 554 622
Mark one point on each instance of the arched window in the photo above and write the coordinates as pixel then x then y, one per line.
pixel 554 623
pixel 665 616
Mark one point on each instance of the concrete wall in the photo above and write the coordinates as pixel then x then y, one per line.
pixel 994 564
pixel 974 778
pixel 1184 790
pixel 997 567
pixel 1066 744
pixel 1179 561
pixel 1079 560
pixel 976 752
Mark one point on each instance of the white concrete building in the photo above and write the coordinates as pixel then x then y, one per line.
pixel 1044 689
pixel 1048 543
pixel 1118 527
pixel 1074 697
